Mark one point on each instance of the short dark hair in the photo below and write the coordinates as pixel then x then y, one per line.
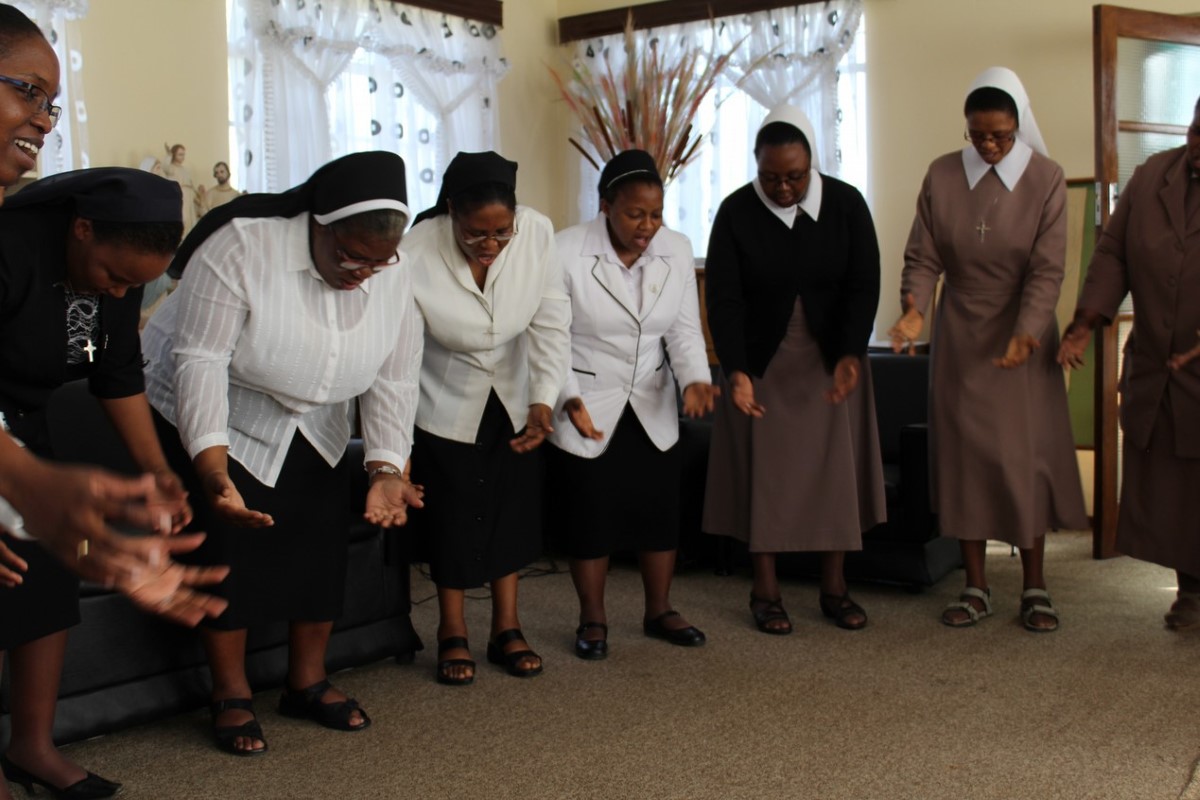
pixel 776 134
pixel 381 222
pixel 15 27
pixel 220 164
pixel 609 195
pixel 159 238
pixel 989 98
pixel 484 194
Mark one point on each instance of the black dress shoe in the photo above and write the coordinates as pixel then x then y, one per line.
pixel 591 649
pixel 691 636
pixel 92 787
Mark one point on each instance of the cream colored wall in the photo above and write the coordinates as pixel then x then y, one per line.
pixel 155 73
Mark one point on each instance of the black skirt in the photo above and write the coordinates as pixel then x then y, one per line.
pixel 626 498
pixel 48 600
pixel 294 570
pixel 483 503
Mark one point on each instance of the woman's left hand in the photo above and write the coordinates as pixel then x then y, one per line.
pixel 698 399
pixel 1020 347
pixel 389 499
pixel 537 427
pixel 845 379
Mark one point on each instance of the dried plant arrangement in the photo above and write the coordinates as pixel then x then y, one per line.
pixel 650 105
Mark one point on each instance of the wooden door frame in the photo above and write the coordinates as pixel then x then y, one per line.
pixel 1110 23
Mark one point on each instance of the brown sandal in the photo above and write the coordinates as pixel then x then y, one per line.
pixel 772 611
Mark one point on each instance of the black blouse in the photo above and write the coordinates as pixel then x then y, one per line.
pixel 756 266
pixel 33 324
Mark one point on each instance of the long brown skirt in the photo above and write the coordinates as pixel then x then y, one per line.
pixel 1159 519
pixel 808 475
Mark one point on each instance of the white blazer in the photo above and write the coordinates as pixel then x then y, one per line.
pixel 617 352
pixel 511 336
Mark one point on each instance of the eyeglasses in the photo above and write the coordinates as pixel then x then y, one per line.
pixel 999 138
pixel 351 263
pixel 498 238
pixel 794 178
pixel 37 98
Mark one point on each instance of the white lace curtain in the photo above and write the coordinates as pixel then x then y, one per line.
pixel 66 146
pixel 292 61
pixel 803 46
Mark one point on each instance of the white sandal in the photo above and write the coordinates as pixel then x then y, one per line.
pixel 964 604
pixel 1037 601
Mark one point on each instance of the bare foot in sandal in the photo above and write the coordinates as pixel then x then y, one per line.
pixel 973 604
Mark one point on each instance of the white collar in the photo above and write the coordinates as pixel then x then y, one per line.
pixel 1009 170
pixel 810 204
pixel 598 243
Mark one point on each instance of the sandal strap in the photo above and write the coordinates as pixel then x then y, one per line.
pixel 311 694
pixel 663 616
pixel 231 703
pixel 453 643
pixel 982 595
pixel 586 626
pixel 504 637
pixel 1035 594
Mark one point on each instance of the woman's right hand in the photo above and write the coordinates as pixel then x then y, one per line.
pixel 11 567
pixel 227 503
pixel 578 414
pixel 741 391
pixel 906 330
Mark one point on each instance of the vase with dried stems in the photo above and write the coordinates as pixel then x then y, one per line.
pixel 650 105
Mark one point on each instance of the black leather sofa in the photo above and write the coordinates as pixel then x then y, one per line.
pixel 907 549
pixel 124 667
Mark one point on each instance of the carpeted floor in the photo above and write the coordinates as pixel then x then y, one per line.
pixel 1104 708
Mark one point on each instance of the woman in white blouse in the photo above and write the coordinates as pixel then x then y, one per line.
pixel 290 309
pixel 614 469
pixel 488 284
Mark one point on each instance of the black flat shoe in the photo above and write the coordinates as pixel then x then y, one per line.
pixel 226 735
pixel 771 611
pixel 840 608
pixel 306 704
pixel 91 787
pixel 591 649
pixel 512 661
pixel 445 665
pixel 691 636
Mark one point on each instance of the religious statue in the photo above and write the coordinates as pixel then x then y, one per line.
pixel 174 169
pixel 208 198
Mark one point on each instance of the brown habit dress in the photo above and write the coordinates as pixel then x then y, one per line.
pixel 1003 461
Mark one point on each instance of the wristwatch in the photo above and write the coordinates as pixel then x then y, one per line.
pixel 386 469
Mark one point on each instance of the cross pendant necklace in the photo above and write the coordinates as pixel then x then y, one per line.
pixel 982 228
pixel 90 349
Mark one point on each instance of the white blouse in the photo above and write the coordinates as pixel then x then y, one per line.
pixel 254 345
pixel 512 336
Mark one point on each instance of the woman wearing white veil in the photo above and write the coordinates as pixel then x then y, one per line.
pixel 991 221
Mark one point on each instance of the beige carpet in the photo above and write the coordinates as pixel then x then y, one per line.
pixel 1105 708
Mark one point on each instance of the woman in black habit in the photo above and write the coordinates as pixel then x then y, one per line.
pixel 75 250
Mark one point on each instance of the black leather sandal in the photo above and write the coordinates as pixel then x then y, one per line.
pixel 444 666
pixel 839 608
pixel 226 736
pixel 771 611
pixel 591 649
pixel 306 704
pixel 688 636
pixel 512 661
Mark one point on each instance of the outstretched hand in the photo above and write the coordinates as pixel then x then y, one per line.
pixel 580 418
pixel 537 427
pixel 227 503
pixel 741 391
pixel 845 379
pixel 389 499
pixel 906 330
pixel 699 399
pixel 1180 360
pixel 1020 347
